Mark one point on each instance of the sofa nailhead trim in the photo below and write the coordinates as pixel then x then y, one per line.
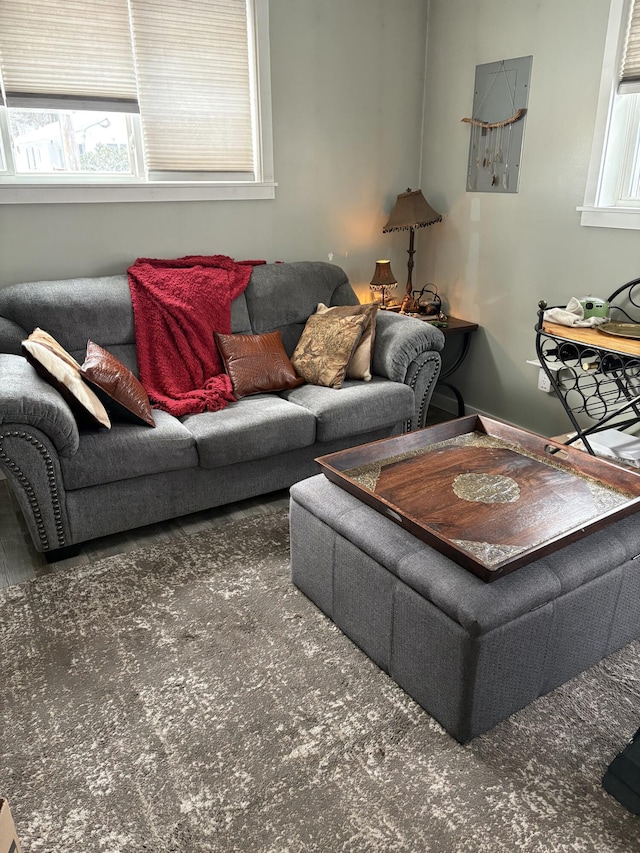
pixel 29 490
pixel 421 411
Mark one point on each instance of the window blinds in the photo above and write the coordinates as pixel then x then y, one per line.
pixel 630 76
pixel 186 65
pixel 193 78
pixel 67 55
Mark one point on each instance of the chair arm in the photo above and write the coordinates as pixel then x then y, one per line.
pixel 26 399
pixel 399 341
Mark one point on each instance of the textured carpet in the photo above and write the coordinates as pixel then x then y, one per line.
pixel 186 697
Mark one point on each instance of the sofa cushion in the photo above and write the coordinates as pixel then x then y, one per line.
pixel 128 451
pixel 355 408
pixel 254 427
pixel 325 348
pixel 54 364
pixel 73 310
pixel 283 296
pixel 256 364
pixel 240 322
pixel 360 365
pixel 114 384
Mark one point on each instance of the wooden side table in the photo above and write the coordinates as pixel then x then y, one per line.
pixel 460 329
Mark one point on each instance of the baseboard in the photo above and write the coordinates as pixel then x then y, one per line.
pixel 446 402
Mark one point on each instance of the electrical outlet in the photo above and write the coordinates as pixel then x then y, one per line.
pixel 544 383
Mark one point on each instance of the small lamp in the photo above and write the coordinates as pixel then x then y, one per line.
pixel 383 280
pixel 411 211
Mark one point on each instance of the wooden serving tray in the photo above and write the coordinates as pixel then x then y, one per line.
pixel 490 496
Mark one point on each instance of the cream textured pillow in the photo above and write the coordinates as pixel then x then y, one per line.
pixel 325 348
pixel 360 365
pixel 62 371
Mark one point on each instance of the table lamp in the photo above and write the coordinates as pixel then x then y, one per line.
pixel 411 211
pixel 383 280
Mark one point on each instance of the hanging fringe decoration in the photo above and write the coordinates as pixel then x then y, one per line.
pixel 490 124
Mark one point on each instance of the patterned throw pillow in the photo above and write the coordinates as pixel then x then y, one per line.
pixel 256 364
pixel 62 371
pixel 122 395
pixel 360 365
pixel 325 348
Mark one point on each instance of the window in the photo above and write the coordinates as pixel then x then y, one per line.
pixel 612 197
pixel 161 99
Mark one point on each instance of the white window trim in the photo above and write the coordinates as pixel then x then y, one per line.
pixel 594 212
pixel 41 192
pixel 158 191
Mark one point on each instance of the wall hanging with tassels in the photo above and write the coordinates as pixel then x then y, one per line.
pixel 495 148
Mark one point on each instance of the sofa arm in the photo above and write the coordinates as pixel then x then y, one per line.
pixel 399 341
pixel 32 466
pixel 26 399
pixel 408 350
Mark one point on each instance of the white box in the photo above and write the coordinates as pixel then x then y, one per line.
pixel 8 838
pixel 616 444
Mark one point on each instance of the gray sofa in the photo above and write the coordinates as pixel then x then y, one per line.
pixel 74 485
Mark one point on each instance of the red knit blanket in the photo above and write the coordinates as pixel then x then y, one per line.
pixel 177 306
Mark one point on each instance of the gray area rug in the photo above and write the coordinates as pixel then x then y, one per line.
pixel 186 697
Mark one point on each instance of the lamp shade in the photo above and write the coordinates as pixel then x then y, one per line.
pixel 411 210
pixel 382 276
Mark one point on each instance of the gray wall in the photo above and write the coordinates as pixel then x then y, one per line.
pixel 348 86
pixel 496 256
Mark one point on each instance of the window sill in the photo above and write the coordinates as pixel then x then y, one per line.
pixel 101 193
pixel 610 217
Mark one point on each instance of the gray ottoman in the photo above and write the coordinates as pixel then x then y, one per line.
pixel 468 652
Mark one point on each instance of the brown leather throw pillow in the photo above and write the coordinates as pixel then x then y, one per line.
pixel 122 395
pixel 256 364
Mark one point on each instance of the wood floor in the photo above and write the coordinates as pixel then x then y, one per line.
pixel 20 562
